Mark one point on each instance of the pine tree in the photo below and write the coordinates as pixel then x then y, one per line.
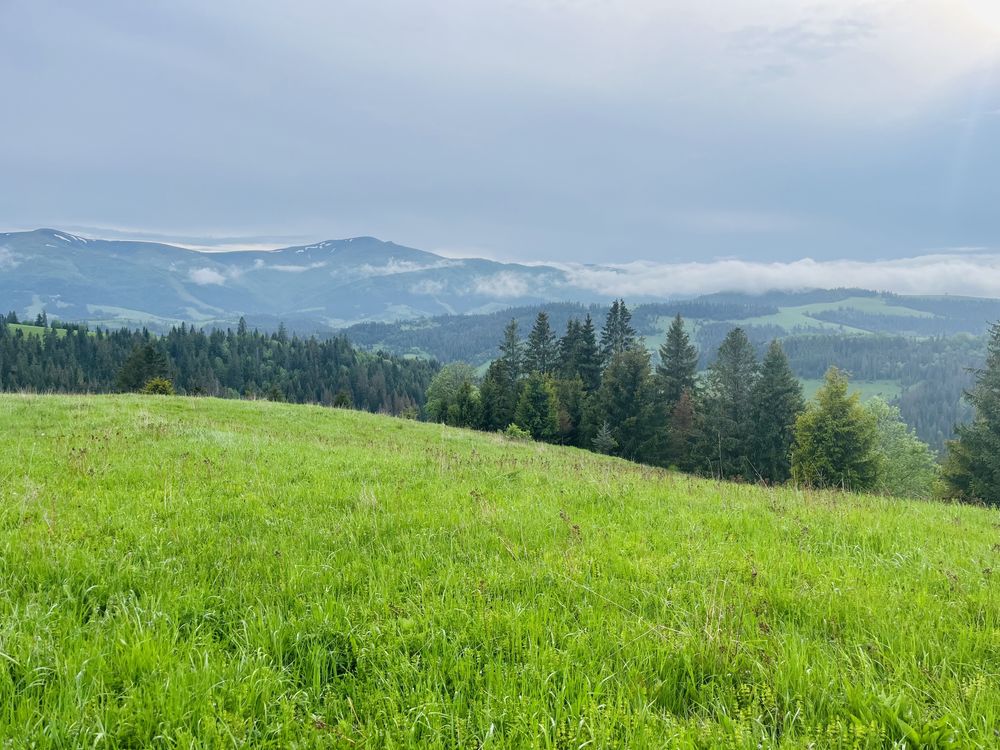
pixel 682 433
pixel 972 469
pixel 498 397
pixel 625 402
pixel 537 409
pixel 569 349
pixel 144 364
pixel 618 335
pixel 589 357
pixel 725 443
pixel 604 441
pixel 678 366
pixel 512 351
pixel 541 352
pixel 835 440
pixel 777 403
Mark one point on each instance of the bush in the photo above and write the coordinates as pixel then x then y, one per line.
pixel 513 432
pixel 158 387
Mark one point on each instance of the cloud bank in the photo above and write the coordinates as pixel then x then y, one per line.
pixel 974 274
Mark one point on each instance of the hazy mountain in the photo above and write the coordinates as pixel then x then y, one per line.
pixel 323 285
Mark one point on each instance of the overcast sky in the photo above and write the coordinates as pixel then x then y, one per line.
pixel 567 130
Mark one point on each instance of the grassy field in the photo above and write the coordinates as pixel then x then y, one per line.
pixel 29 330
pixel 200 573
pixel 887 389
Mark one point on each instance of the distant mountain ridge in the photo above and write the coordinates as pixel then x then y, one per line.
pixel 319 286
pixel 336 284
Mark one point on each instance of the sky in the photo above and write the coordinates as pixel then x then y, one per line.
pixel 575 131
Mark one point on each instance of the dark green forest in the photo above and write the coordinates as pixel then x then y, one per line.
pixel 745 418
pixel 65 358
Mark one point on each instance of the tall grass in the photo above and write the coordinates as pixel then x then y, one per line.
pixel 198 573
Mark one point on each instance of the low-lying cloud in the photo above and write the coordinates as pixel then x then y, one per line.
pixel 206 277
pixel 7 259
pixel 976 274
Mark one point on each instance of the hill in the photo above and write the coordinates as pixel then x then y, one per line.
pixel 336 283
pixel 309 288
pixel 196 572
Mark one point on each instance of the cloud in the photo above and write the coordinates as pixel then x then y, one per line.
pixel 291 268
pixel 430 287
pixel 505 284
pixel 7 259
pixel 206 277
pixel 971 274
pixel 394 266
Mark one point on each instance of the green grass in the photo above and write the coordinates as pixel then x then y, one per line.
pixel 200 573
pixel 29 330
pixel 886 389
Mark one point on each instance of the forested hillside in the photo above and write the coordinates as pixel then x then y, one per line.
pixel 228 363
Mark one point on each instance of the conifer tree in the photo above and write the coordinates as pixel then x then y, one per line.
pixel 512 351
pixel 145 363
pixel 725 443
pixel 537 408
pixel 678 366
pixel 835 440
pixel 972 469
pixel 589 357
pixel 618 335
pixel 625 402
pixel 682 434
pixel 777 403
pixel 541 352
pixel 498 397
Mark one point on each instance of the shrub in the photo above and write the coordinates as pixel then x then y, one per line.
pixel 158 387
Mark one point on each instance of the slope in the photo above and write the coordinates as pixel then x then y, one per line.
pixel 201 573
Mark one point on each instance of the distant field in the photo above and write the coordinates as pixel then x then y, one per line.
pixel 887 389
pixel 201 573
pixel 34 330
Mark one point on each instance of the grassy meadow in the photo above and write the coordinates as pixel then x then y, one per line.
pixel 188 573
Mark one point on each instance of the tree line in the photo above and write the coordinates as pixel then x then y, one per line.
pixel 745 418
pixel 68 358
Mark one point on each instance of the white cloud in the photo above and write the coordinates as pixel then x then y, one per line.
pixel 972 274
pixel 7 259
pixel 504 284
pixel 430 287
pixel 394 266
pixel 291 268
pixel 206 277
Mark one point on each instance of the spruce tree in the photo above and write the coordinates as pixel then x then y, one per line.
pixel 537 409
pixel 625 402
pixel 569 349
pixel 726 440
pixel 835 440
pixel 541 352
pixel 972 469
pixel 145 363
pixel 618 335
pixel 589 357
pixel 678 366
pixel 682 434
pixel 512 351
pixel 498 397
pixel 777 403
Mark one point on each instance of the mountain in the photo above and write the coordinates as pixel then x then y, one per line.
pixel 310 287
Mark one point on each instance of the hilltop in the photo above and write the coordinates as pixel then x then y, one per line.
pixel 200 572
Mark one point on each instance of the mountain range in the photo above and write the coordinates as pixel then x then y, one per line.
pixel 324 285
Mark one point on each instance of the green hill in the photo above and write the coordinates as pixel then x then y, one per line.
pixel 201 573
